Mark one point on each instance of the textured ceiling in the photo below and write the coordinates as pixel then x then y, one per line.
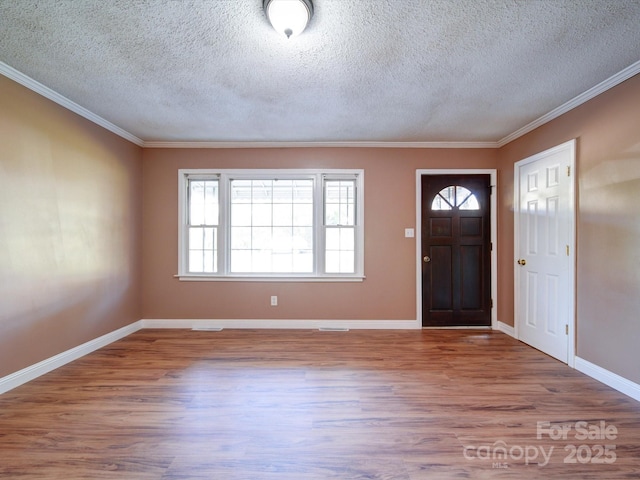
pixel 363 71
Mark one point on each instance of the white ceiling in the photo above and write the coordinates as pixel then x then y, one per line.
pixel 364 71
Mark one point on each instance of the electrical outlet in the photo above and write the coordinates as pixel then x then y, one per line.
pixel 274 300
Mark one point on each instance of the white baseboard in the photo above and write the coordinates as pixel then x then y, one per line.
pixel 508 329
pixel 608 378
pixel 282 324
pixel 34 371
pixel 29 373
pixel 603 375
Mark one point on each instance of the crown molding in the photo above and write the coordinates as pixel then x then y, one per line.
pixel 46 92
pixel 593 92
pixel 158 144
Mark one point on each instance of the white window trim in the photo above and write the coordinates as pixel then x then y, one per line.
pixel 224 175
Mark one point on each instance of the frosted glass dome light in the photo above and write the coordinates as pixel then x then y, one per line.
pixel 289 17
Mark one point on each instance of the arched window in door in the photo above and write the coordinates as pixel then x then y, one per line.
pixel 455 196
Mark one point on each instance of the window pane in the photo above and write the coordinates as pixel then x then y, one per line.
pixel 269 217
pixel 211 203
pixel 440 203
pixel 340 254
pixel 332 214
pixel 303 192
pixel 471 203
pixel 303 238
pixel 209 239
pixel 461 195
pixel 282 191
pixel 203 207
pixel 303 261
pixel 241 191
pixel 282 239
pixel 332 262
pixel 282 263
pixel 196 264
pixel 196 238
pixel 209 261
pixel 303 214
pixel 261 261
pixel 241 238
pixel 241 215
pixel 261 214
pixel 347 262
pixel 455 196
pixel 339 199
pixel 449 194
pixel 332 239
pixel 261 191
pixel 261 238
pixel 203 249
pixel 347 214
pixel 196 197
pixel 283 214
pixel 347 240
pixel 241 261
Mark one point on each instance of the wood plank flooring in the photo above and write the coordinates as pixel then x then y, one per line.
pixel 298 405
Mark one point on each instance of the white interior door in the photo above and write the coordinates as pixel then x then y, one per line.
pixel 544 249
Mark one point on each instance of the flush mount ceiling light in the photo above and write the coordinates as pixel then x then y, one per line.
pixel 288 17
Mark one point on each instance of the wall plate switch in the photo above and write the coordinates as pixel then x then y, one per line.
pixel 274 300
pixel 409 233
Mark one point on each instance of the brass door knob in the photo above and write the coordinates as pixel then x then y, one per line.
pixel 426 259
pixel 522 262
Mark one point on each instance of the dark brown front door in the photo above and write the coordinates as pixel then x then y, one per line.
pixel 456 250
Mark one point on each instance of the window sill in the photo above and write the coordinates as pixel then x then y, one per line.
pixel 270 278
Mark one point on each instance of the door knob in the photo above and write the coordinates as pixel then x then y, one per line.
pixel 522 262
pixel 426 259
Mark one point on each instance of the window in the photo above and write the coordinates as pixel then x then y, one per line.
pixel 302 224
pixel 455 197
pixel 340 223
pixel 202 226
pixel 271 226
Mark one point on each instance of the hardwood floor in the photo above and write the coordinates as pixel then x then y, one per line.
pixel 293 404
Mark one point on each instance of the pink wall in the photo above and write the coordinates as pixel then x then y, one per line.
pixel 607 130
pixel 388 292
pixel 70 211
pixel 74 263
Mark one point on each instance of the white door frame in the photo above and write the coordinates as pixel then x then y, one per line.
pixel 571 294
pixel 494 236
